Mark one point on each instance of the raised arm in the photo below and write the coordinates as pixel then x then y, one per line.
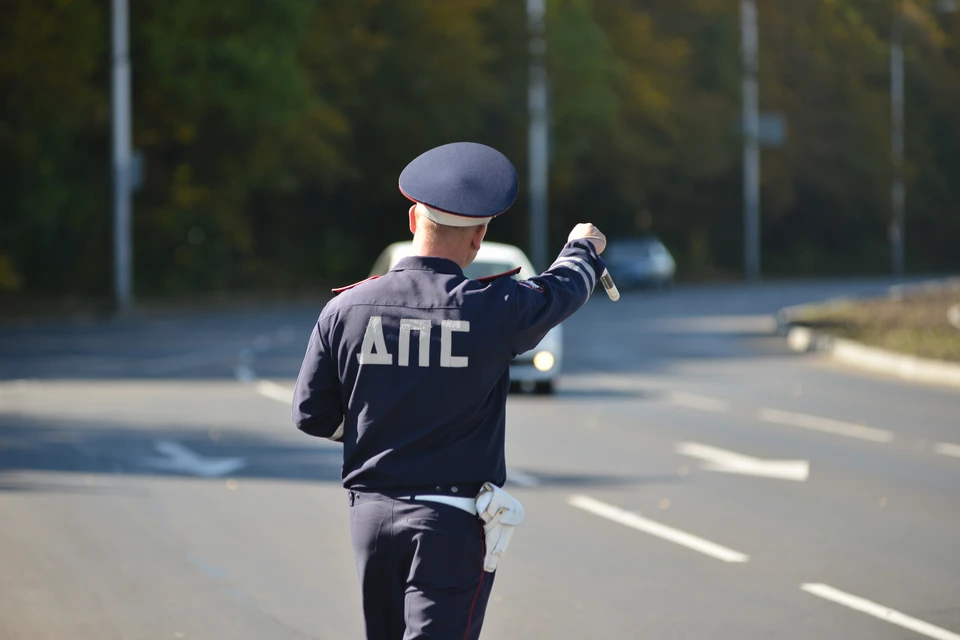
pixel 546 300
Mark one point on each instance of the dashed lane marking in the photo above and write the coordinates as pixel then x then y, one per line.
pixel 826 425
pixel 662 531
pixel 879 611
pixel 702 403
pixel 947 449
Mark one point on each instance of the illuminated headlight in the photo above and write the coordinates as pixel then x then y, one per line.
pixel 543 361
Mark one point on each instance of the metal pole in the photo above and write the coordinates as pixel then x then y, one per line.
pixel 122 263
pixel 898 190
pixel 751 138
pixel 538 134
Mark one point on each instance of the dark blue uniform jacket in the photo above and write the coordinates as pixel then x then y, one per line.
pixel 411 371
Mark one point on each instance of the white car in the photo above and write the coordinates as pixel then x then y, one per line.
pixel 533 371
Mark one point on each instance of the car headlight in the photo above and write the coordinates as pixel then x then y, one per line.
pixel 543 361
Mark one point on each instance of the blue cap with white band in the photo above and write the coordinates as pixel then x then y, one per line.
pixel 462 184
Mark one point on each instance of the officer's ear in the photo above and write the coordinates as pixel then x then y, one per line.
pixel 478 235
pixel 413 219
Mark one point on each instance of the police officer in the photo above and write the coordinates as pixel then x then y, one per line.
pixel 410 372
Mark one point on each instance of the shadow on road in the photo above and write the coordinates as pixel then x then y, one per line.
pixel 197 345
pixel 572 392
pixel 86 449
pixel 90 487
pixel 547 480
pixel 78 447
pixel 601 392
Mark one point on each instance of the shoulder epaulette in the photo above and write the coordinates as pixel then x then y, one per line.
pixel 512 272
pixel 355 284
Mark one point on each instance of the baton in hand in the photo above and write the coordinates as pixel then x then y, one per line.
pixel 608 285
pixel 612 292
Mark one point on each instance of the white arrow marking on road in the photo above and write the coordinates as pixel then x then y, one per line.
pixel 724 461
pixel 179 458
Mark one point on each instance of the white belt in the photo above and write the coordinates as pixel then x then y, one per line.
pixel 466 504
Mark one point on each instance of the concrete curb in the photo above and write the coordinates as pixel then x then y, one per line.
pixel 806 340
pixel 953 315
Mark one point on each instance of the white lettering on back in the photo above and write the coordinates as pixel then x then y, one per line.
pixel 447 359
pixel 422 327
pixel 374 349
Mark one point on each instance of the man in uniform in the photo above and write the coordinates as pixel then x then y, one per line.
pixel 410 371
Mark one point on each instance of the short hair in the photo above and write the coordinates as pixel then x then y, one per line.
pixel 443 232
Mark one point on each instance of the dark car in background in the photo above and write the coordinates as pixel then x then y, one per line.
pixel 642 262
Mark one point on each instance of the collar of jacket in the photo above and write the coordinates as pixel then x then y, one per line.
pixel 425 263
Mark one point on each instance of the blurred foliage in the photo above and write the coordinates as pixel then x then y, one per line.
pixel 273 133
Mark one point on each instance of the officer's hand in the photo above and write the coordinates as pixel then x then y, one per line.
pixel 589 232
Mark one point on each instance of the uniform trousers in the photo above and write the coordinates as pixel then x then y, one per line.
pixel 421 568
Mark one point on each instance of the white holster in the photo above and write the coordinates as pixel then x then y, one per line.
pixel 500 513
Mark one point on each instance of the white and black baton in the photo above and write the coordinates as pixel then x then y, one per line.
pixel 608 285
pixel 612 292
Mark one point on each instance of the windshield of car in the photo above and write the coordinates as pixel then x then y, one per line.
pixel 629 251
pixel 483 268
pixel 633 249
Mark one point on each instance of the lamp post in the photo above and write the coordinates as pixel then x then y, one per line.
pixel 538 133
pixel 749 45
pixel 898 190
pixel 122 160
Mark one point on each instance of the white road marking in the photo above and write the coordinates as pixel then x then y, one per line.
pixel 661 531
pixel 724 461
pixel 826 425
pixel 879 611
pixel 179 458
pixel 522 479
pixel 275 391
pixel 703 403
pixel 947 449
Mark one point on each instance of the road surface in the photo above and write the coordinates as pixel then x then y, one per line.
pixel 691 478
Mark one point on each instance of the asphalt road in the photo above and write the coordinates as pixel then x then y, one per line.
pixel 691 478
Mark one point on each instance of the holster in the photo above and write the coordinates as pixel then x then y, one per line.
pixel 500 513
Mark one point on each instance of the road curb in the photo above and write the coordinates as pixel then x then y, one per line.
pixel 806 340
